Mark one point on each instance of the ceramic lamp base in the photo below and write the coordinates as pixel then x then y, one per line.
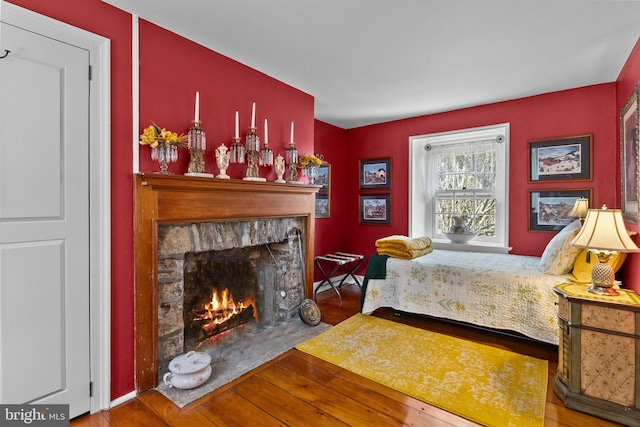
pixel 602 290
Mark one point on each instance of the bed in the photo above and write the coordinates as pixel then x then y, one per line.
pixel 498 291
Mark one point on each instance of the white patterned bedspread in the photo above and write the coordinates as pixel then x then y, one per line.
pixel 499 291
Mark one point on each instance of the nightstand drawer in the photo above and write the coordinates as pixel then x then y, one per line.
pixel 611 319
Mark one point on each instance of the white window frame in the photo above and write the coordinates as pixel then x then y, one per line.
pixel 422 210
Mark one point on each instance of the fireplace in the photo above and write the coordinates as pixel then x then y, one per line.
pixel 219 280
pixel 169 205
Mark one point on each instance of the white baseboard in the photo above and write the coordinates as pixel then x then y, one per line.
pixel 122 399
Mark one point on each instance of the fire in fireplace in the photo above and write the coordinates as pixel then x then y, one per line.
pixel 220 291
pixel 221 314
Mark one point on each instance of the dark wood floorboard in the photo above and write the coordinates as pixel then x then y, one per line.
pixel 297 389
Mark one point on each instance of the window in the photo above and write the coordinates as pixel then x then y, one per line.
pixel 461 174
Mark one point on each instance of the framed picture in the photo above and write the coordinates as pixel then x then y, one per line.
pixel 375 209
pixel 375 173
pixel 322 205
pixel 549 210
pixel 323 199
pixel 629 162
pixel 324 177
pixel 560 159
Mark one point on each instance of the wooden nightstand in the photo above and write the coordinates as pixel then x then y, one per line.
pixel 599 353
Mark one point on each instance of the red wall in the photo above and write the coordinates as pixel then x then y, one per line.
pixel 171 70
pixel 331 233
pixel 167 98
pixel 627 80
pixel 572 112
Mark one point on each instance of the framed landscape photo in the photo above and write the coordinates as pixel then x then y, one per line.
pixel 549 210
pixel 559 159
pixel 324 176
pixel 322 205
pixel 375 173
pixel 629 161
pixel 375 209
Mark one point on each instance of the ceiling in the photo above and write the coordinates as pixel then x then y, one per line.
pixel 372 61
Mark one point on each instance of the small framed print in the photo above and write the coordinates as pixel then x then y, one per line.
pixel 375 209
pixel 323 178
pixel 322 204
pixel 549 210
pixel 629 157
pixel 375 173
pixel 560 159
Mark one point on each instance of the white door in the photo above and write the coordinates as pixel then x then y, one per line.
pixel 44 221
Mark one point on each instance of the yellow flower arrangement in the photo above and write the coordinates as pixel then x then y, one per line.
pixel 309 161
pixel 152 135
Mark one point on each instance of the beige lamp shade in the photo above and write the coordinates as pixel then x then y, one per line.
pixel 580 208
pixel 604 230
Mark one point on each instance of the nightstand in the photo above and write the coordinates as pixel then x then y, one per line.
pixel 599 353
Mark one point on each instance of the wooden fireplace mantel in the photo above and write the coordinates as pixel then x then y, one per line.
pixel 175 198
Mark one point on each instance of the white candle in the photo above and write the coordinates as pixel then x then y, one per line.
pixel 266 133
pixel 237 134
pixel 253 116
pixel 291 139
pixel 197 115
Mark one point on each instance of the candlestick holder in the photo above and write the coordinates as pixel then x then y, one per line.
pixel 237 152
pixel 252 145
pixel 266 155
pixel 197 143
pixel 292 160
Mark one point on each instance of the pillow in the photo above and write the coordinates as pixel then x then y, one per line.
pixel 559 256
pixel 585 262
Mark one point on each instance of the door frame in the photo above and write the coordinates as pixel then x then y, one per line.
pixel 99 186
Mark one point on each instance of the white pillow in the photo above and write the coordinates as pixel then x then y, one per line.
pixel 559 256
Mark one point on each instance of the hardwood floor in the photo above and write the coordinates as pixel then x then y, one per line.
pixel 300 390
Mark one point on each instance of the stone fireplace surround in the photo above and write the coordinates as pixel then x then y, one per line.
pixel 167 199
pixel 247 239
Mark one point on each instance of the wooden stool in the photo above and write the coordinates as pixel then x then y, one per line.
pixel 350 263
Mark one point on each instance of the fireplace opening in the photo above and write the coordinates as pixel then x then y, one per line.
pixel 220 293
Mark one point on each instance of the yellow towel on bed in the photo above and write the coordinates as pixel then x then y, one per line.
pixel 403 243
pixel 407 254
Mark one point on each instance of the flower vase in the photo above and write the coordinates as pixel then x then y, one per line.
pixel 164 153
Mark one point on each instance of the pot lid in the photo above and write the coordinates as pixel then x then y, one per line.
pixel 190 362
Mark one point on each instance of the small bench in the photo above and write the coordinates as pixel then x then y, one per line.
pixel 349 262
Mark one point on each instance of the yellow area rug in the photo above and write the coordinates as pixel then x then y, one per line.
pixel 487 385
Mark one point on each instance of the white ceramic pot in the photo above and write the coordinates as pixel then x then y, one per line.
pixel 189 370
pixel 460 237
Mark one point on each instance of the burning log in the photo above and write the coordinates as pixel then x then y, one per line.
pixel 212 328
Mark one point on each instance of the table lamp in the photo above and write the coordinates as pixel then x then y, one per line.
pixel 604 234
pixel 580 209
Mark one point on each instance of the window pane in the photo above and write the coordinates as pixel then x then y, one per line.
pixel 464 206
pixel 444 206
pixel 446 182
pixel 486 206
pixel 485 225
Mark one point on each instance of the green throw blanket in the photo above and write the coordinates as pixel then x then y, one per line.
pixel 376 269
